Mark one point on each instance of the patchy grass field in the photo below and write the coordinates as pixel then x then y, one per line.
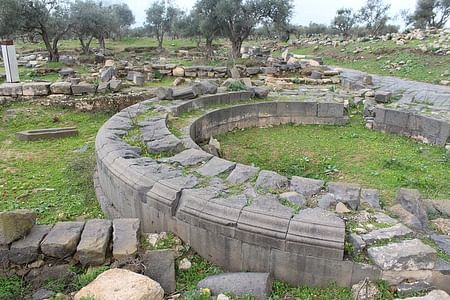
pixel 377 57
pixel 52 177
pixel 349 153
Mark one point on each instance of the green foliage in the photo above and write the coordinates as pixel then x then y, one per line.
pixel 187 280
pixel 236 85
pixel 12 287
pixel 87 277
pixel 281 290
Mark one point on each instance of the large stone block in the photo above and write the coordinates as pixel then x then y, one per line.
pixel 264 222
pixel 62 240
pixel 306 186
pixel 15 224
pixel 126 233
pixel 258 285
pixel 316 232
pixel 11 89
pixel 269 180
pixel 84 88
pixel 242 173
pixel 346 193
pixel 330 110
pixel 94 242
pixel 26 250
pixel 36 88
pixel 410 255
pixel 396 231
pixel 216 166
pixel 64 88
pixel 160 266
pixel 411 200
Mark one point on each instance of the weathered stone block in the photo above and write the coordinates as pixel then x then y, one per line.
pixel 410 255
pixel 306 186
pixel 216 166
pixel 271 180
pixel 333 110
pixel 84 88
pixel 346 193
pixel 383 96
pixel 36 88
pixel 62 240
pixel 64 88
pixel 258 285
pixel 242 173
pixel 15 224
pixel 94 242
pixel 26 250
pixel 126 233
pixel 398 230
pixel 160 266
pixel 11 89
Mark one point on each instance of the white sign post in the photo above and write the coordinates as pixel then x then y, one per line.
pixel 10 61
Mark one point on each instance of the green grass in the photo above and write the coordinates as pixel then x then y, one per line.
pixel 88 276
pixel 349 153
pixel 49 176
pixel 419 66
pixel 282 290
pixel 187 280
pixel 13 287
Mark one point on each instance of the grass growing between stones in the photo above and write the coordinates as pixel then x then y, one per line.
pixel 349 153
pixel 13 287
pixel 52 177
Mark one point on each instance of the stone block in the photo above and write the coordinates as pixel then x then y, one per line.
pixel 26 250
pixel 330 110
pixel 126 234
pixel 396 231
pixel 269 180
pixel 242 173
pixel 409 255
pixel 62 240
pixel 216 166
pixel 160 266
pixel 64 88
pixel 371 197
pixel 346 193
pixel 396 118
pixel 15 224
pixel 316 232
pixel 11 89
pixel 383 96
pixel 36 88
pixel 94 242
pixel 411 200
pixel 264 222
pixel 258 285
pixel 84 88
pixel 306 186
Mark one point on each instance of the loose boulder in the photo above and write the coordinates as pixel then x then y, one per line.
pixel 117 284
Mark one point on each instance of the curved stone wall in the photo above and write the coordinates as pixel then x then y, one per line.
pixel 236 231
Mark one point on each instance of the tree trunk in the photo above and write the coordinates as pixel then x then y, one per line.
pixel 52 56
pixel 209 49
pixel 236 48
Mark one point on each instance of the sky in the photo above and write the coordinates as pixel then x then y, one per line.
pixel 305 11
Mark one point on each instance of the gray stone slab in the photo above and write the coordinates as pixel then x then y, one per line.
pixel 126 233
pixel 64 88
pixel 269 180
pixel 15 224
pixel 94 242
pixel 433 295
pixel 327 200
pixel 36 88
pixel 409 255
pixel 216 166
pixel 306 186
pixel 411 200
pixel 62 240
pixel 26 250
pixel 293 197
pixel 190 157
pixel 160 266
pixel 398 230
pixel 443 241
pixel 242 173
pixel 316 232
pixel 11 89
pixel 258 285
pixel 346 193
pixel 357 242
pixel 84 88
pixel 168 143
pixel 371 197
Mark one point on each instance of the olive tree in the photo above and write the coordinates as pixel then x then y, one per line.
pixel 49 19
pixel 430 13
pixel 10 18
pixel 160 19
pixel 238 18
pixel 120 19
pixel 207 15
pixel 374 15
pixel 344 21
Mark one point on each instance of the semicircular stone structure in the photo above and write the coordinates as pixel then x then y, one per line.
pixel 189 192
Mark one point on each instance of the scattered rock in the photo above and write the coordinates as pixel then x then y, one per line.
pixel 341 208
pixel 184 264
pixel 42 294
pixel 271 180
pixel 443 241
pixel 242 173
pixel 406 217
pixel 357 242
pixel 126 233
pixel 433 295
pixel 371 197
pixel 346 193
pixel 15 224
pixel 411 200
pixel 306 186
pixel 26 250
pixel 410 255
pixel 216 166
pixel 294 197
pixel 94 242
pixel 365 290
pixel 409 288
pixel 327 201
pixel 121 284
pixel 398 230
pixel 442 225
